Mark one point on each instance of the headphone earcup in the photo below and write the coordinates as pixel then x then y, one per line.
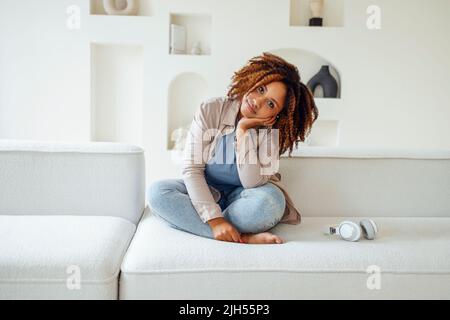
pixel 369 228
pixel 349 230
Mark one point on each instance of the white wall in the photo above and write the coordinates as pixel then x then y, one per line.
pixel 398 78
pixel 44 72
pixel 395 90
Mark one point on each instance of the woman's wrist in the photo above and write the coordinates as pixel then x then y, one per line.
pixel 241 128
pixel 214 222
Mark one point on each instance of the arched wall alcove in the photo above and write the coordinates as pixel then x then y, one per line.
pixel 308 64
pixel 186 92
pixel 325 131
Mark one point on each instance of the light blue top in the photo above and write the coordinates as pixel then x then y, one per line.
pixel 221 170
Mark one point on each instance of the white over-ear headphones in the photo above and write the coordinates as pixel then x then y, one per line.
pixel 351 231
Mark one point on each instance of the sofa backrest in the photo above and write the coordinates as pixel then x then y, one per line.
pixel 55 178
pixel 369 182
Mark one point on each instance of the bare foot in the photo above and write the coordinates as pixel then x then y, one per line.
pixel 261 238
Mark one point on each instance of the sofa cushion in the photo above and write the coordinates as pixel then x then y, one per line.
pixel 42 256
pixel 413 255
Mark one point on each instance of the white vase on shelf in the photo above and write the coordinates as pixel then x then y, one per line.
pixel 316 7
pixel 196 49
pixel 121 7
pixel 179 136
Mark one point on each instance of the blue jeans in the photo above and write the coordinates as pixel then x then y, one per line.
pixel 251 210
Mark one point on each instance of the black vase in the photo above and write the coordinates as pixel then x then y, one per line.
pixel 316 22
pixel 324 79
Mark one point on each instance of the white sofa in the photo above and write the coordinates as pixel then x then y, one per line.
pixel 67 215
pixel 65 205
pixel 407 192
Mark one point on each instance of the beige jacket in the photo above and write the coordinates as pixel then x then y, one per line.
pixel 217 117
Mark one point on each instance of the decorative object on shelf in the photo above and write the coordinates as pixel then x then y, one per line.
pixel 121 7
pixel 179 137
pixel 316 7
pixel 196 49
pixel 177 39
pixel 324 79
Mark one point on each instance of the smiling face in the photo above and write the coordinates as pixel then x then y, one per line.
pixel 265 101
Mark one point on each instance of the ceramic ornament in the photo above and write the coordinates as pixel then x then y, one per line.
pixel 316 7
pixel 121 7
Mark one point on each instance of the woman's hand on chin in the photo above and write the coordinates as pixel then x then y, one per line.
pixel 247 123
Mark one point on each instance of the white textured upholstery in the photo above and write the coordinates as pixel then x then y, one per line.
pixel 71 147
pixel 373 153
pixel 407 192
pixel 54 178
pixel 77 204
pixel 333 182
pixel 36 253
pixel 64 205
pixel 412 253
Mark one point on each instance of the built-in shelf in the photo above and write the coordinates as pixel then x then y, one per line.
pixel 145 7
pixel 116 93
pixel 307 151
pixel 329 109
pixel 324 133
pixel 186 93
pixel 117 61
pixel 188 31
pixel 333 13
pixel 126 30
pixel 191 62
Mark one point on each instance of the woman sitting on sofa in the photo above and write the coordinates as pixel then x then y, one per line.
pixel 231 190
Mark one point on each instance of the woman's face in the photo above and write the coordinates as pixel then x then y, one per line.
pixel 265 101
